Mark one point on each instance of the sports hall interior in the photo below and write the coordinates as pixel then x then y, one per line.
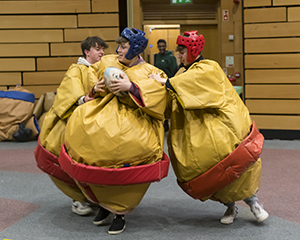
pixel 256 42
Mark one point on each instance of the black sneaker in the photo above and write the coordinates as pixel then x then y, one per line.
pixel 103 217
pixel 118 225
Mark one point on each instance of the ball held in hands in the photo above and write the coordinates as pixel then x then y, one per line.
pixel 114 73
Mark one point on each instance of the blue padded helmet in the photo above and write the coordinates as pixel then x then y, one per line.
pixel 137 41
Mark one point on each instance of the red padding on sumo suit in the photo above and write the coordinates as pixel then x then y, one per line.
pixel 114 176
pixel 48 163
pixel 228 170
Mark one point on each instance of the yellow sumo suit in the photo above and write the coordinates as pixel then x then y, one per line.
pixel 74 85
pixel 110 138
pixel 209 123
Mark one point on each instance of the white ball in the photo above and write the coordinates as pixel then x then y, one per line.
pixel 114 73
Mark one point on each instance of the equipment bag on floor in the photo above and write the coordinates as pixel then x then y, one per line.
pixel 17 122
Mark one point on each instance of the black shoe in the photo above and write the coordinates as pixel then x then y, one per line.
pixel 118 225
pixel 103 217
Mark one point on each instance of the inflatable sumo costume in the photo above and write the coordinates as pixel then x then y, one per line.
pixel 114 145
pixel 74 85
pixel 218 154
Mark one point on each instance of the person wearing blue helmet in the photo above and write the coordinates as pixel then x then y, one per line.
pixel 116 138
pixel 136 41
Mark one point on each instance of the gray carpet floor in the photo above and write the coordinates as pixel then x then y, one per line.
pixel 165 213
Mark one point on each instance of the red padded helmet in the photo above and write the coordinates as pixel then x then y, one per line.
pixel 193 42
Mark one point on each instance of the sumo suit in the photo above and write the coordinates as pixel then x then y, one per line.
pixel 74 85
pixel 213 144
pixel 113 134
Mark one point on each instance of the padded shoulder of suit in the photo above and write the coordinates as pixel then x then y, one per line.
pixel 207 64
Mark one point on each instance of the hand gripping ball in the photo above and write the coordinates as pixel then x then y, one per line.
pixel 114 73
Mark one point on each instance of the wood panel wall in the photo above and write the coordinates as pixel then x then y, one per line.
pixel 232 47
pixel 40 39
pixel 272 63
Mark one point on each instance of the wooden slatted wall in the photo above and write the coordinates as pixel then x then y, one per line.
pixel 40 39
pixel 272 63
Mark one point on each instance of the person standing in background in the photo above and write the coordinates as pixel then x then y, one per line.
pixel 165 61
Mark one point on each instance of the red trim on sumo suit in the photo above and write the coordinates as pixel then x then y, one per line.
pixel 140 102
pixel 48 163
pixel 114 176
pixel 228 170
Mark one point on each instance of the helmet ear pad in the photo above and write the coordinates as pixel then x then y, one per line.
pixel 137 41
pixel 193 42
